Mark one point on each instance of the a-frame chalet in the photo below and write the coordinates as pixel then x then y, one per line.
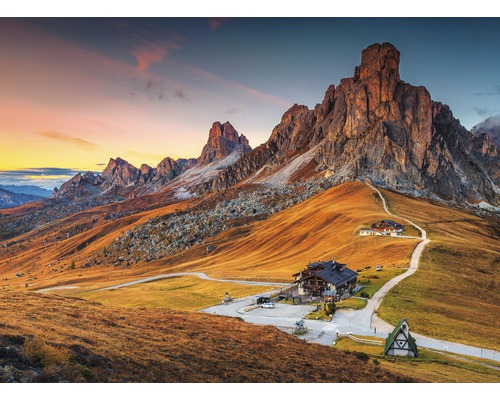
pixel 400 342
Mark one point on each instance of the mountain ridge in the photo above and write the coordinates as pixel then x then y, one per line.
pixel 120 179
pixel 372 126
pixel 27 189
pixel 10 199
pixel 376 126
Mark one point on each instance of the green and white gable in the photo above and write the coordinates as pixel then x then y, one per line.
pixel 400 342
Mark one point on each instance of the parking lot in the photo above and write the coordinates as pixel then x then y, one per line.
pixel 281 311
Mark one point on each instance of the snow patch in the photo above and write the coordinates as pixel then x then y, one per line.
pixel 487 206
pixel 282 176
pixel 199 174
pixel 183 194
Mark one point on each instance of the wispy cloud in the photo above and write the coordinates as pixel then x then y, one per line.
pixel 482 111
pixel 146 56
pixel 216 23
pixel 232 111
pixel 236 86
pixel 62 137
pixel 180 94
pixel 158 90
pixel 495 92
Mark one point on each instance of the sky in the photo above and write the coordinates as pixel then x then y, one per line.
pixel 75 92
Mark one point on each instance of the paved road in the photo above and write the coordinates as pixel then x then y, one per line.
pixel 200 275
pixel 56 288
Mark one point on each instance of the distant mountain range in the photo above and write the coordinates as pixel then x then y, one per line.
pixel 27 189
pixel 121 179
pixel 371 126
pixel 10 199
pixel 490 127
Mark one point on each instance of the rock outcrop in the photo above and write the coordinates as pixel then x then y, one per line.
pixel 376 126
pixel 119 173
pixel 169 169
pixel 79 187
pixel 223 140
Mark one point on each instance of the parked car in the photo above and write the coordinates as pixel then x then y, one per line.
pixel 268 305
pixel 379 268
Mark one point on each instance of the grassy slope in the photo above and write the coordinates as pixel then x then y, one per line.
pixel 157 345
pixel 430 366
pixel 45 261
pixel 454 295
pixel 274 249
pixel 323 227
pixel 183 293
pixel 453 292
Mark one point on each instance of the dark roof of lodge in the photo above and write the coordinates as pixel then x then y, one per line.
pixel 327 264
pixel 337 277
pixel 389 222
pixel 332 272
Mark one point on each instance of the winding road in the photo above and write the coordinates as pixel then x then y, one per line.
pixel 363 322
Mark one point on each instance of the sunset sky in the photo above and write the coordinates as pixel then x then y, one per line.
pixel 75 92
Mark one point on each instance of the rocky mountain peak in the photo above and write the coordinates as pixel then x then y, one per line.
pixel 223 139
pixel 226 130
pixel 119 173
pixel 378 59
pixel 79 186
pixel 490 126
pixel 376 126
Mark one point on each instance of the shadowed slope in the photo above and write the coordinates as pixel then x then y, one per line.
pixel 125 345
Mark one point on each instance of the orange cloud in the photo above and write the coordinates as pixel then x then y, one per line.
pixel 62 137
pixel 150 53
pixel 216 23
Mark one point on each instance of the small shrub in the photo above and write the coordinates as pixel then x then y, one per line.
pixel 362 356
pixel 41 354
pixel 364 295
pixel 376 361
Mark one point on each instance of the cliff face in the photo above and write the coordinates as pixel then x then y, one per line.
pixel 223 140
pixel 376 126
pixel 80 186
pixel 120 179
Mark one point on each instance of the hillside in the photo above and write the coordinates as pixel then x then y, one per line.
pixel 78 341
pixel 326 225
pixel 454 295
pixel 458 270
